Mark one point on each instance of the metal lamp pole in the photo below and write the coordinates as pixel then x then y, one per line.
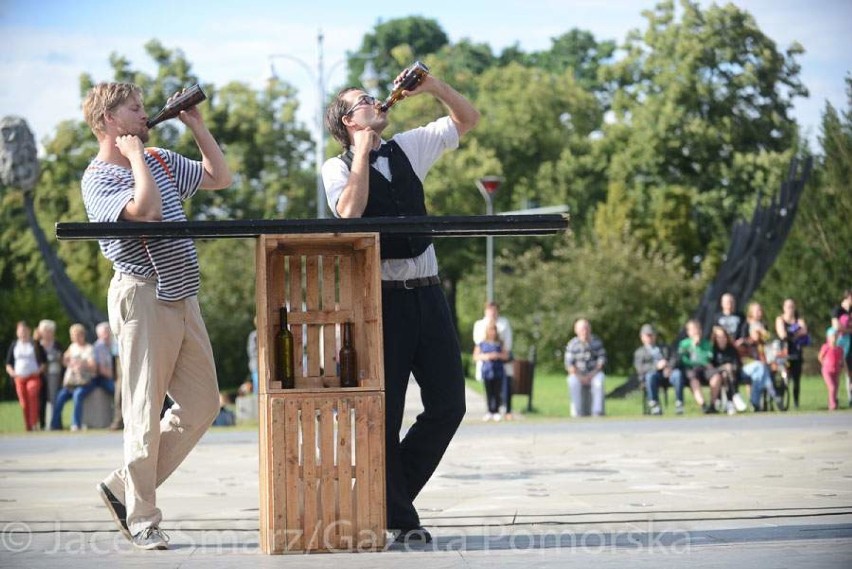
pixel 319 75
pixel 488 186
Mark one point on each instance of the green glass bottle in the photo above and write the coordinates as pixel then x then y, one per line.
pixel 284 353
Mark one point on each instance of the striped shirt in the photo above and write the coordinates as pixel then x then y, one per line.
pixel 108 188
pixel 585 356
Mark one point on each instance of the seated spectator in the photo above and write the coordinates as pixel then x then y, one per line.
pixel 226 417
pixel 752 350
pixel 25 362
pixel 726 370
pixel 732 321
pixel 246 388
pixel 585 358
pixel 491 354
pixel 53 372
pixel 694 354
pixel 80 369
pixel 651 361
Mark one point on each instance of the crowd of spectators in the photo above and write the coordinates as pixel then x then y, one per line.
pixel 47 375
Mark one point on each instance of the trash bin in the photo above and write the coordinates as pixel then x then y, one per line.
pixel 522 381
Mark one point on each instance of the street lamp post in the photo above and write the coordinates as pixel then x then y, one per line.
pixel 488 186
pixel 319 76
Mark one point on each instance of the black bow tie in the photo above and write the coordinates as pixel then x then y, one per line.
pixel 384 150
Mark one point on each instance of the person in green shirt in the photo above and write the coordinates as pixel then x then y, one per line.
pixel 694 356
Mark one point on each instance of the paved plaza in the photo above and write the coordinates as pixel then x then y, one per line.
pixel 768 490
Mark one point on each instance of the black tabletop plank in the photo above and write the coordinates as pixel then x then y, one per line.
pixel 434 226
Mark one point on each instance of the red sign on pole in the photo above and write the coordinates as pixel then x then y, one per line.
pixel 488 185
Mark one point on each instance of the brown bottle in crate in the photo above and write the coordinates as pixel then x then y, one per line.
pixel 284 354
pixel 413 76
pixel 348 359
pixel 188 99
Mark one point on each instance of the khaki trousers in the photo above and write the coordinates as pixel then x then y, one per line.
pixel 163 348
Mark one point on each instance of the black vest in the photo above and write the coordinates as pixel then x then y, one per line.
pixel 400 197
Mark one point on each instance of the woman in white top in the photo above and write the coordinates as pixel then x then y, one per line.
pixel 25 363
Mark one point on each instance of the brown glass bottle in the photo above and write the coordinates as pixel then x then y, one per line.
pixel 348 359
pixel 413 76
pixel 284 353
pixel 188 99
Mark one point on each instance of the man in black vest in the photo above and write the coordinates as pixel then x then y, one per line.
pixel 377 178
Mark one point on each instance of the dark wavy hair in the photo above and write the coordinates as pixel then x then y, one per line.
pixel 334 114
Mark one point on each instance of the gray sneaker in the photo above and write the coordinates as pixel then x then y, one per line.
pixel 151 537
pixel 679 408
pixel 116 509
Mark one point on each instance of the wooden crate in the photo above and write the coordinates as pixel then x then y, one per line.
pixel 324 460
pixel 322 468
pixel 324 280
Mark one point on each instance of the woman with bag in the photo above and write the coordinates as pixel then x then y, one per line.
pixel 80 368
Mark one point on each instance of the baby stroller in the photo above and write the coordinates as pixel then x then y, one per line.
pixel 776 358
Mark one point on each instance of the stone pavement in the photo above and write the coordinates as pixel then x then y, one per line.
pixel 768 490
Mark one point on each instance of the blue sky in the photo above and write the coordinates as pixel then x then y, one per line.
pixel 49 43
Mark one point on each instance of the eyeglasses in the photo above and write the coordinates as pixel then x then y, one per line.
pixel 362 100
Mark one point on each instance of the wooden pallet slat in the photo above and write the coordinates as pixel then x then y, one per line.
pixel 344 472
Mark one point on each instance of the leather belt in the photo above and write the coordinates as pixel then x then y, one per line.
pixel 409 284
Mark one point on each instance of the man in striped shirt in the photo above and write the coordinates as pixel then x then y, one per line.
pixel 152 300
pixel 585 358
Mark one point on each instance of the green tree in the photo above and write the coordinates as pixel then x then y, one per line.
pixel 395 45
pixel 697 99
pixel 529 119
pixel 815 266
pixel 576 50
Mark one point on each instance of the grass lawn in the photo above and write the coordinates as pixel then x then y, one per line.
pixel 550 400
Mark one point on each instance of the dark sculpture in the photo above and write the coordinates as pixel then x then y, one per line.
pixel 754 247
pixel 19 169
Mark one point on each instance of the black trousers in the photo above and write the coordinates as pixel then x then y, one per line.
pixel 419 338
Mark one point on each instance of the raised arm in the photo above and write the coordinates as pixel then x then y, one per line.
pixel 147 204
pixel 462 112
pixel 217 175
pixel 353 199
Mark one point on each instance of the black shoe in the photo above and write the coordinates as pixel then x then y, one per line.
pixel 116 509
pixel 710 409
pixel 414 536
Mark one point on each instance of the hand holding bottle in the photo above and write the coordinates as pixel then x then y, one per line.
pixel 183 101
pixel 408 83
